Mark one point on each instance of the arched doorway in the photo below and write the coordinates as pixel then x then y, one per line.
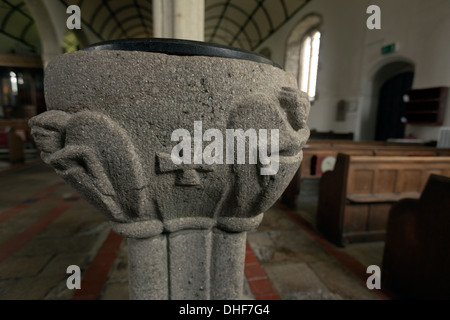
pixel 391 82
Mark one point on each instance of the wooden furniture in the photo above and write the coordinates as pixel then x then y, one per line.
pixel 15 148
pixel 18 124
pixel 319 155
pixel 355 198
pixel 425 106
pixel 340 143
pixel 330 135
pixel 416 260
pixel 315 150
pixel 15 132
pixel 312 156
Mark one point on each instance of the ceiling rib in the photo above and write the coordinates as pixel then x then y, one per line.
pixel 12 9
pixel 282 24
pixel 232 34
pixel 222 14
pixel 250 18
pixel 239 9
pixel 231 21
pixel 119 10
pixel 113 14
pixel 141 17
pixel 244 24
pixel 267 16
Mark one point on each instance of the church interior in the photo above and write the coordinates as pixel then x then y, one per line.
pixel 366 215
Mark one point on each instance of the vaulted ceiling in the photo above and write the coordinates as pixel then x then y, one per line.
pixel 240 23
pixel 116 19
pixel 17 26
pixel 246 24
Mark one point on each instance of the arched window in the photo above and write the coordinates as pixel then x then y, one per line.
pixel 302 54
pixel 309 63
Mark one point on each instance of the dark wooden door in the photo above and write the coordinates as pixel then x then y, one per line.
pixel 391 106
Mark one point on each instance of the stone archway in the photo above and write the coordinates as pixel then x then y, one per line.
pixel 51 42
pixel 379 75
pixel 390 107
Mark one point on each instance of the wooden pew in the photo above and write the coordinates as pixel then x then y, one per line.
pixel 330 135
pixel 15 147
pixel 352 143
pixel 355 198
pixel 17 135
pixel 406 151
pixel 314 153
pixel 329 146
pixel 416 260
pixel 445 152
pixel 311 155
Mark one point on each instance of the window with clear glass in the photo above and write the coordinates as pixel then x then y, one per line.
pixel 309 63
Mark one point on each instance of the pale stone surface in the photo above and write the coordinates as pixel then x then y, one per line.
pixel 367 253
pixel 14 267
pixel 300 281
pixel 27 288
pixel 246 292
pixel 227 261
pixel 179 19
pixel 57 271
pixel 115 291
pixel 148 274
pixel 22 221
pixel 108 134
pixel 262 245
pixel 187 265
pixel 341 282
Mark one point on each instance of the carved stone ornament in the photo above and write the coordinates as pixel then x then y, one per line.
pixel 108 132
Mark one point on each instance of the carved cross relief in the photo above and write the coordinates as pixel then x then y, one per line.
pixel 186 174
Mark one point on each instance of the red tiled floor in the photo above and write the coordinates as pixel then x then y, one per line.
pixel 97 273
pixel 21 206
pixel 347 261
pixel 257 280
pixel 271 297
pixel 254 271
pixel 22 238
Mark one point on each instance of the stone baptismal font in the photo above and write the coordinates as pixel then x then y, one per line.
pixel 182 145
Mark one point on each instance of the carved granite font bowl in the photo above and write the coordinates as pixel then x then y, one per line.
pixel 115 111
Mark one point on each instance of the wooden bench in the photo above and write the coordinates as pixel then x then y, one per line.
pixel 352 143
pixel 14 135
pixel 355 198
pixel 416 260
pixel 320 155
pixel 313 155
pixel 308 169
pixel 330 135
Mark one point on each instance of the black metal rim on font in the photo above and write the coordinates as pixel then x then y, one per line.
pixel 182 48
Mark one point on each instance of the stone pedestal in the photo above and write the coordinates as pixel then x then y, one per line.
pixel 194 264
pixel 112 131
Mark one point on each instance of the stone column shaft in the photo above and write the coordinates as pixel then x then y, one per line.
pixel 179 19
pixel 187 265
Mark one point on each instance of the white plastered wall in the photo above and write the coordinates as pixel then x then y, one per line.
pixel 350 56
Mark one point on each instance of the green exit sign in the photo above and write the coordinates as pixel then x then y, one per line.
pixel 388 48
